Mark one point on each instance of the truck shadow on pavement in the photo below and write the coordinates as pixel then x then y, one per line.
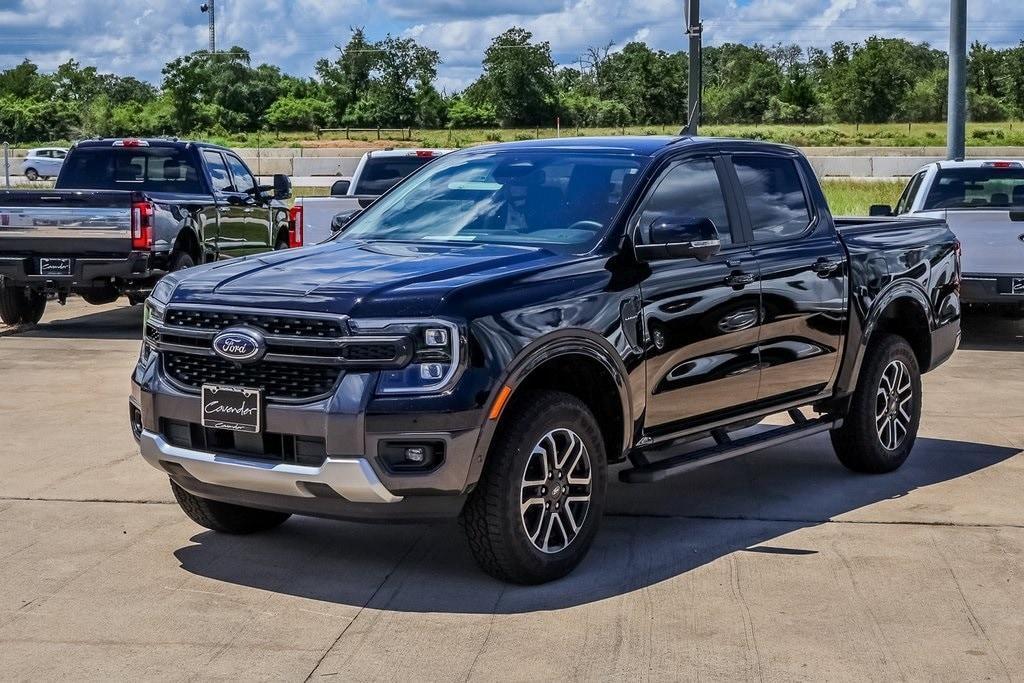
pixel 650 533
pixel 989 332
pixel 122 322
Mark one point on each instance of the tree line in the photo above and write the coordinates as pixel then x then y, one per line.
pixel 392 82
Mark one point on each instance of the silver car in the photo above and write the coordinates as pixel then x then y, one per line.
pixel 983 202
pixel 44 162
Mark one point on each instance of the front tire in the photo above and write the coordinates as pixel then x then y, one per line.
pixel 538 504
pixel 225 517
pixel 18 307
pixel 881 426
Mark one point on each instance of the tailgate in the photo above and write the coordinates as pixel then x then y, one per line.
pixel 80 223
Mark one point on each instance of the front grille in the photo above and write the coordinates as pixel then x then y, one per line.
pixel 279 381
pixel 272 323
pixel 269 446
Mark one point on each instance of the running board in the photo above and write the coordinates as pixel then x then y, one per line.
pixel 726 448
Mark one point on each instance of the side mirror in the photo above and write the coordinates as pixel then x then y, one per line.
pixel 341 220
pixel 680 237
pixel 282 186
pixel 880 210
pixel 340 187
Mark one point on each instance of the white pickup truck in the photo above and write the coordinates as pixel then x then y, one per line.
pixel 376 173
pixel 983 202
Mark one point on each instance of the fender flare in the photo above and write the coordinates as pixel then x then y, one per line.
pixel 896 291
pixel 540 351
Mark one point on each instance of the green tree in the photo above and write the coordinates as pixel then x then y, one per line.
pixel 347 78
pixel 518 78
pixel 295 113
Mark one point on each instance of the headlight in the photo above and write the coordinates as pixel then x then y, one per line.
pixel 163 290
pixel 435 359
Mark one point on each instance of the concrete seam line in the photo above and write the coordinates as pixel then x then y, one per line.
pixel 800 520
pixel 87 500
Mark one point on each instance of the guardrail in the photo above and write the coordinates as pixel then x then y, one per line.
pixel 406 133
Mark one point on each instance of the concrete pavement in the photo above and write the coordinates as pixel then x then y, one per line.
pixel 779 565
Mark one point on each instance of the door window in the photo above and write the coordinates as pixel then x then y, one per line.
pixel 244 182
pixel 691 188
pixel 774 194
pixel 218 171
pixel 909 193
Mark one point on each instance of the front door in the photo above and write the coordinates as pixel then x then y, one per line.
pixel 701 317
pixel 803 270
pixel 256 235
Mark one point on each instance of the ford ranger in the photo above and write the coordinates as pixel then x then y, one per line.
pixel 124 212
pixel 499 330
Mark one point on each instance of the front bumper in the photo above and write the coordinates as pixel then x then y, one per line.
pixel 351 478
pixel 352 482
pixel 998 288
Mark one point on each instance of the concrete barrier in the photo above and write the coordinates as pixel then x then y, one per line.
pixel 324 165
pixel 842 167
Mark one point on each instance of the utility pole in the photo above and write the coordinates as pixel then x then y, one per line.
pixel 208 8
pixel 694 30
pixel 956 134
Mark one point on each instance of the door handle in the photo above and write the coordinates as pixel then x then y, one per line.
pixel 825 266
pixel 250 210
pixel 739 279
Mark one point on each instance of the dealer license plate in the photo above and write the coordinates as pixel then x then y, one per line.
pixel 55 266
pixel 237 409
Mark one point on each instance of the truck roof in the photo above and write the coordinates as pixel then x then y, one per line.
pixel 145 142
pixel 643 145
pixel 982 163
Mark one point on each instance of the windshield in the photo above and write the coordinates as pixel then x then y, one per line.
pixel 557 199
pixel 151 169
pixel 977 188
pixel 380 174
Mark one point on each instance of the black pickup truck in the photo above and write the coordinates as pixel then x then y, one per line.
pixel 123 213
pixel 501 328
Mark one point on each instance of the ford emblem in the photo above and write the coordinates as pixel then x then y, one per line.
pixel 241 345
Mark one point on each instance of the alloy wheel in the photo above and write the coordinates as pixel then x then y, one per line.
pixel 892 405
pixel 556 490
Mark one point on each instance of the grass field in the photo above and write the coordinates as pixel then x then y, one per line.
pixel 1006 133
pixel 845 197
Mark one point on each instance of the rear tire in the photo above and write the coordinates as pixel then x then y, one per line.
pixel 880 428
pixel 225 517
pixel 31 174
pixel 181 260
pixel 538 504
pixel 20 308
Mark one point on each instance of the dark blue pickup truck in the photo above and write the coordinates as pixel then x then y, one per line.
pixel 124 212
pixel 501 328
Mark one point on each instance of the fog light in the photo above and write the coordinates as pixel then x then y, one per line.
pixel 416 454
pixel 436 336
pixel 431 371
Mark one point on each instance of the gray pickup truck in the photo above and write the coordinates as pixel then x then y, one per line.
pixel 125 212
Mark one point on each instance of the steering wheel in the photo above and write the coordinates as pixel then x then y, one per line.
pixel 585 225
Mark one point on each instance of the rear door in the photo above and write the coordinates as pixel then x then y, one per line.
pixel 803 270
pixel 257 235
pixel 700 317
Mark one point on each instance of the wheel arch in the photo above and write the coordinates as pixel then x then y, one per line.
pixel 598 378
pixel 188 241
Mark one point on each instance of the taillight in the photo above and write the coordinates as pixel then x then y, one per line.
pixel 142 225
pixel 295 226
pixel 424 152
pixel 130 142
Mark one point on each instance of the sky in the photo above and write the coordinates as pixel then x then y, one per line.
pixel 136 37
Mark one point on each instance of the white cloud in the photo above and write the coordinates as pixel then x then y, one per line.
pixel 294 33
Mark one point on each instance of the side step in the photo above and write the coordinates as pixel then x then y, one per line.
pixel 646 472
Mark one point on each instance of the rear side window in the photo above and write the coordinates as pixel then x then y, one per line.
pixel 977 188
pixel 690 189
pixel 774 194
pixel 381 174
pixel 218 171
pixel 152 169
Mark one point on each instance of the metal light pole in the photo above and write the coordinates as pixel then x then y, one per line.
pixel 208 8
pixel 957 119
pixel 694 30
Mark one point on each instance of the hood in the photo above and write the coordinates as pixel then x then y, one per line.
pixel 358 278
pixel 991 242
